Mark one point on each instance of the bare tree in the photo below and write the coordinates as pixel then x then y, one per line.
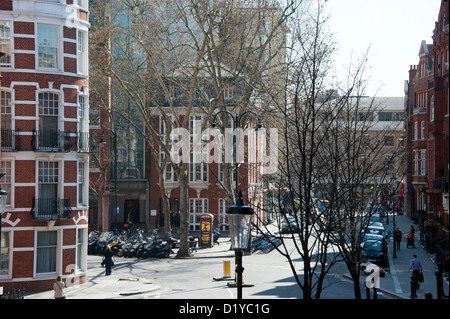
pixel 328 158
pixel 175 59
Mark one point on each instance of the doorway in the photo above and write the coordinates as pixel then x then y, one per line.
pixel 132 210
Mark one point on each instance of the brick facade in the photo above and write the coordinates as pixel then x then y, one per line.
pixel 46 220
pixel 427 109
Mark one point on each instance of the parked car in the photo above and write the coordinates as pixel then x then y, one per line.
pixel 370 236
pixel 376 229
pixel 376 217
pixel 375 251
pixel 289 226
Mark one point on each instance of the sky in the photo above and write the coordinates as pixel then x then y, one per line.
pixel 394 30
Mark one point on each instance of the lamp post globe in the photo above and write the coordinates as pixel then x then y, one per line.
pixel 239 220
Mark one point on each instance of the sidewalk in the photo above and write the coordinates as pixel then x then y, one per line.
pixel 397 280
pixel 121 283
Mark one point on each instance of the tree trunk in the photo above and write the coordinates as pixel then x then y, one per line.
pixel 184 214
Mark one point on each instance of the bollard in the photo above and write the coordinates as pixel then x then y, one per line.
pixel 226 269
pixel 226 272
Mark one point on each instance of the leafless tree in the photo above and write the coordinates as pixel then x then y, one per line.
pixel 174 59
pixel 328 159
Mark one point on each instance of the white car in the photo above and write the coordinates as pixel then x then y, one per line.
pixel 376 229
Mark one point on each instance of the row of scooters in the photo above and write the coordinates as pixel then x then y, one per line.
pixel 135 246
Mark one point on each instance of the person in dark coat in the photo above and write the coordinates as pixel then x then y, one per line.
pixel 108 258
pixel 398 237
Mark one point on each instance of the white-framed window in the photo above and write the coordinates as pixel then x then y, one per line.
pixel 6 181
pixel 169 173
pixel 81 249
pixel 198 166
pixel 81 184
pixel 416 131
pixel 46 252
pixel 5 43
pixel 82 56
pixel 48 177
pixel 416 163
pixel 8 140
pixel 197 207
pixel 5 254
pixel 422 130
pixel 48 44
pixel 6 110
pixel 220 177
pixel 48 120
pixel 83 127
pixel 198 172
pixel 422 163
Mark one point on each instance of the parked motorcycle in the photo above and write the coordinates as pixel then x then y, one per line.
pixel 161 249
pixel 92 242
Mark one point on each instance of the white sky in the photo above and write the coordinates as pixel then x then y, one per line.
pixel 393 29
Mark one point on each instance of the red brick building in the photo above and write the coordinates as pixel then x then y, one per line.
pixel 427 107
pixel 45 123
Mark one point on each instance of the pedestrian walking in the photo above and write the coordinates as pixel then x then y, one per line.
pixel 398 237
pixel 414 286
pixel 58 287
pixel 416 267
pixel 108 260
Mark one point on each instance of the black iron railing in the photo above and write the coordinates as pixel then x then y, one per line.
pixel 51 208
pixel 60 141
pixel 10 140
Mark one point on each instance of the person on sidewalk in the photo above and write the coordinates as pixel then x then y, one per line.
pixel 398 237
pixel 416 267
pixel 58 287
pixel 107 260
pixel 414 286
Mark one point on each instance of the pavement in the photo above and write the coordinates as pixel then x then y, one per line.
pixel 396 283
pixel 123 284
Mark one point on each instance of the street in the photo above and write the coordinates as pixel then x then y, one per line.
pixel 268 276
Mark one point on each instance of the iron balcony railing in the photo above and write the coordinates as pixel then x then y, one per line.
pixel 10 140
pixel 60 141
pixel 51 208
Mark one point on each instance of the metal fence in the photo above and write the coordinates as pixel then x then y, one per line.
pixel 19 294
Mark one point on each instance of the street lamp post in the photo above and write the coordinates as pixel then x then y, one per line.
pixel 239 219
pixel 102 141
pixel 239 215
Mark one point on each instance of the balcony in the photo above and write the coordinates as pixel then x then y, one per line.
pixel 50 208
pixel 10 140
pixel 60 141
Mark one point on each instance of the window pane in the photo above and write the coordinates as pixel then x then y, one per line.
pixel 47 46
pixel 5 43
pixel 46 251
